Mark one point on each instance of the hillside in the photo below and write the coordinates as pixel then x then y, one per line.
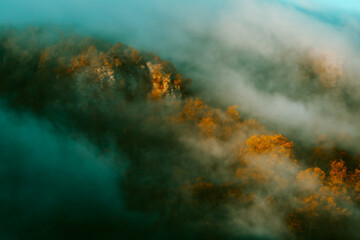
pixel 170 164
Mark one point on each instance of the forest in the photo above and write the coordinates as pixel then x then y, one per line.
pixel 181 167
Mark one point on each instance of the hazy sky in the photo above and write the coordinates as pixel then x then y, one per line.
pixel 339 4
pixel 135 20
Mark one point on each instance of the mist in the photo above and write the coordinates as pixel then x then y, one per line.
pixel 226 46
pixel 224 120
pixel 50 182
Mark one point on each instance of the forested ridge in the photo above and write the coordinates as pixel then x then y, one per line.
pixel 192 170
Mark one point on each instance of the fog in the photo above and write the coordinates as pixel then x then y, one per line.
pixel 103 141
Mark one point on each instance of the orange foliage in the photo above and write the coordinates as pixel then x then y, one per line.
pixel 193 110
pixel 267 144
pixel 233 113
pixel 208 126
pixel 160 81
pixel 332 193
pixel 178 81
pixel 84 59
pixel 338 172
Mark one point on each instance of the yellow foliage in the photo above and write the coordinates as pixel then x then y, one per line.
pixel 233 113
pixel 355 180
pixel 193 110
pixel 319 173
pixel 267 144
pixel 160 81
pixel 178 81
pixel 338 172
pixel 311 204
pixel 208 126
pixel 311 174
pixel 332 194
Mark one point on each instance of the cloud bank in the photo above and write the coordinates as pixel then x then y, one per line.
pixel 105 141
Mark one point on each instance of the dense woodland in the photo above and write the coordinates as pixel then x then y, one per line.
pixel 193 170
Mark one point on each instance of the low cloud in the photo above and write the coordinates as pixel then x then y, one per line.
pixel 103 140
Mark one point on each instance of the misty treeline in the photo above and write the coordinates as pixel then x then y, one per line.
pixel 192 170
